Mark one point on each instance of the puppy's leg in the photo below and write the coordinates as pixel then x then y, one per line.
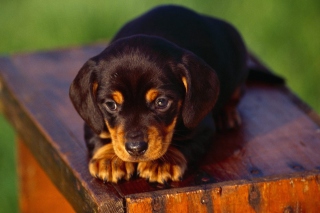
pixel 171 166
pixel 104 163
pixel 180 154
pixel 106 166
pixel 229 118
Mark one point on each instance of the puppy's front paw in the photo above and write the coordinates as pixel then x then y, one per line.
pixel 171 166
pixel 107 166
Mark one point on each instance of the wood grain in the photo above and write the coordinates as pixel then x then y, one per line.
pixel 280 136
pixel 295 193
pixel 37 193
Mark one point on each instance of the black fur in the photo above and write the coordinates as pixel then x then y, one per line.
pixel 157 50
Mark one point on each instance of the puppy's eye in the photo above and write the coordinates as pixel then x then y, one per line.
pixel 111 106
pixel 162 103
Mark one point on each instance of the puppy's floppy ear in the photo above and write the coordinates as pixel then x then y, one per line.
pixel 202 89
pixel 82 94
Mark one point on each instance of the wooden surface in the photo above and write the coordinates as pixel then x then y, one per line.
pixel 272 160
pixel 299 193
pixel 37 194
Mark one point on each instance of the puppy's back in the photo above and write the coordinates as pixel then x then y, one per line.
pixel 215 41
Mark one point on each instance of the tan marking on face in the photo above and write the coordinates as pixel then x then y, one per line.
pixel 184 81
pixel 117 139
pixel 159 141
pixel 151 95
pixel 117 97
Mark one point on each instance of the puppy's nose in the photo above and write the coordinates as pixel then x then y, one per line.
pixel 134 136
pixel 136 148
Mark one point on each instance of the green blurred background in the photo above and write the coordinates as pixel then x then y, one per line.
pixel 284 34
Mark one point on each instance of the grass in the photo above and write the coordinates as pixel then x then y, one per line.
pixel 8 179
pixel 284 34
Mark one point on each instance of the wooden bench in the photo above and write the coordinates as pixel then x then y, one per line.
pixel 270 164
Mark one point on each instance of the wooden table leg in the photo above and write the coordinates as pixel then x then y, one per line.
pixel 37 193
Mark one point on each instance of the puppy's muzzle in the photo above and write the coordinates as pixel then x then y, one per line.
pixel 135 145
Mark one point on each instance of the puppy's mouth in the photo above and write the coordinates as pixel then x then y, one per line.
pixel 153 145
pixel 146 150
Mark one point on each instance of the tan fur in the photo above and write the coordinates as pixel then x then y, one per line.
pixel 158 143
pixel 104 135
pixel 94 88
pixel 117 97
pixel 171 166
pixel 106 166
pixel 184 81
pixel 117 138
pixel 151 95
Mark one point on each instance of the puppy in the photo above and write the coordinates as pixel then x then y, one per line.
pixel 149 99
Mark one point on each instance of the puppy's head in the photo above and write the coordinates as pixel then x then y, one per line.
pixel 137 90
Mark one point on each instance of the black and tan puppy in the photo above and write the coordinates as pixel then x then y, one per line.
pixel 148 100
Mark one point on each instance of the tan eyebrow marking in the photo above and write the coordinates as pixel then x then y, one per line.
pixel 117 97
pixel 151 95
